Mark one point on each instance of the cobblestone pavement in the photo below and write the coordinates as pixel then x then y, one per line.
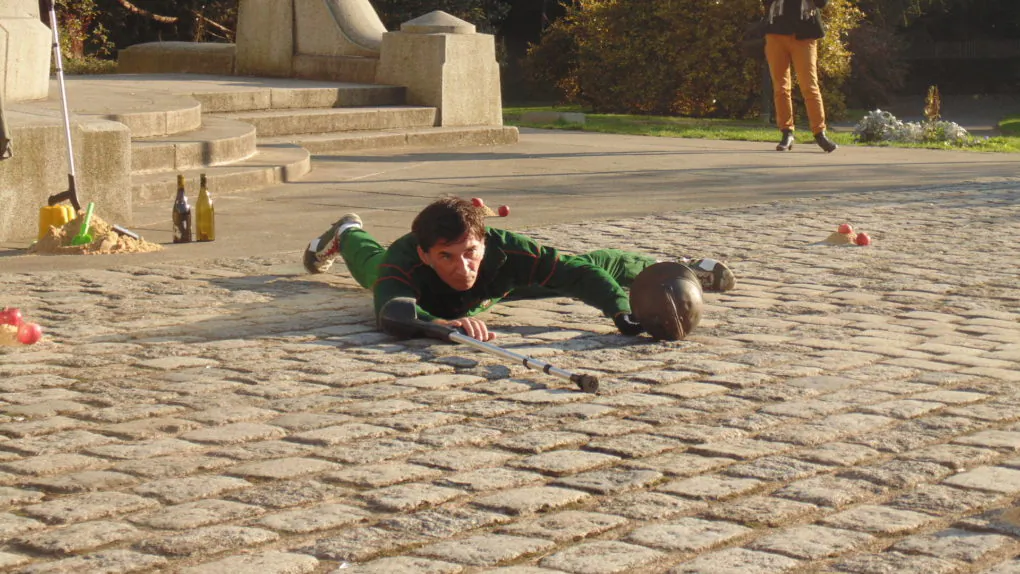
pixel 845 409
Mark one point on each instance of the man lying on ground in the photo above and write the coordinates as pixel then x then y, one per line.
pixel 455 267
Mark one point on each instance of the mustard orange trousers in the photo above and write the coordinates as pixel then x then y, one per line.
pixel 781 51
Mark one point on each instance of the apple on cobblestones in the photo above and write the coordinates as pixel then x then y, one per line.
pixel 29 333
pixel 10 316
pixel 863 239
pixel 845 229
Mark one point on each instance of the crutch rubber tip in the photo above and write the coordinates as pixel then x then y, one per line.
pixel 587 383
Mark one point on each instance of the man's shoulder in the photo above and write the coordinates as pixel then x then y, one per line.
pixel 509 240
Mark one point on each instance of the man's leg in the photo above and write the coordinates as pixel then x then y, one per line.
pixel 362 254
pixel 625 266
pixel 324 249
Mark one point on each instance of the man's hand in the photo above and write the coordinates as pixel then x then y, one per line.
pixel 474 328
pixel 627 324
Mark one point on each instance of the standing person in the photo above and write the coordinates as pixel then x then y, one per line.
pixel 455 267
pixel 791 37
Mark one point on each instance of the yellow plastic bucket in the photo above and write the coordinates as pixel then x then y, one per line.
pixel 54 216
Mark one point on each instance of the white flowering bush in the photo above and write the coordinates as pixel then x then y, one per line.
pixel 879 126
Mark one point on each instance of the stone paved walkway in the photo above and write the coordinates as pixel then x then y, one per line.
pixel 844 410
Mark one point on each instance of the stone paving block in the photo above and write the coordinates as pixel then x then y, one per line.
pixel 650 506
pixel 383 474
pixel 87 481
pixel 207 541
pixel 611 481
pixel 484 479
pixel 171 363
pixel 263 450
pixel 282 468
pixel 10 560
pixel 195 514
pixel 822 383
pixel 235 433
pixel 812 542
pixel 457 435
pixel 12 524
pixel 687 534
pixel 171 466
pixel 91 506
pixel 370 450
pixel 940 500
pixel 289 493
pixel 602 557
pixel 362 544
pixel 486 549
pixel 459 459
pixel 564 462
pixel 443 381
pixel 261 563
pixel 150 428
pixel 754 511
pixel 1011 567
pixel 608 427
pixel 144 449
pixel 466 405
pixel 178 490
pixel 39 427
pixel 418 421
pixel 121 561
pixel 50 464
pixel 876 519
pixel 444 523
pixel 988 478
pixel 830 491
pixel 956 457
pixel 680 464
pixel 125 413
pixel 411 496
pixel 18 497
pixel 902 409
pixel 886 562
pixel 775 469
pixel 542 441
pixel 313 519
pixel 232 414
pixel 837 454
pixel 409 565
pixel 570 525
pixel 531 499
pixel 1005 440
pixel 712 487
pixel 741 449
pixel 738 561
pixel 695 433
pixel 992 411
pixel 899 473
pixel 955 544
pixel 55 443
pixel 79 537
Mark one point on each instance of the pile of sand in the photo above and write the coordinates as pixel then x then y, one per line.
pixel 8 336
pixel 104 240
pixel 841 239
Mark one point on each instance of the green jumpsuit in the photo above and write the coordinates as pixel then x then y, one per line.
pixel 514 266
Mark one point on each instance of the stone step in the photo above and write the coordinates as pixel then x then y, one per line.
pixel 271 164
pixel 219 141
pixel 331 143
pixel 270 123
pixel 331 95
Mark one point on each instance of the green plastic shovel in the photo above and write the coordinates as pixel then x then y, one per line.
pixel 83 237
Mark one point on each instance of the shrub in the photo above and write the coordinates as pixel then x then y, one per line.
pixel 673 56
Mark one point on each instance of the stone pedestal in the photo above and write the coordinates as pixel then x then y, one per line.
pixel 24 52
pixel 443 63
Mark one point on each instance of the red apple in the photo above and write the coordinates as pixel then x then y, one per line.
pixel 504 210
pixel 10 316
pixel 863 239
pixel 477 202
pixel 29 333
pixel 846 229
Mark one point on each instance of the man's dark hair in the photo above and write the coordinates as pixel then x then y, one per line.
pixel 448 219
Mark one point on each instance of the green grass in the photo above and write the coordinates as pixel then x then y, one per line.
pixel 734 130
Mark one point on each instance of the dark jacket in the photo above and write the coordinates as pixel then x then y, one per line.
pixel 790 23
pixel 511 261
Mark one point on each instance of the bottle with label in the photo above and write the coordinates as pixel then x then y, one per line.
pixel 205 214
pixel 181 214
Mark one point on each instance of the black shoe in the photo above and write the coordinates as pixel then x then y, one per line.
pixel 323 250
pixel 786 143
pixel 825 143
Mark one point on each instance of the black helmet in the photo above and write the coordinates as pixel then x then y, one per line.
pixel 666 299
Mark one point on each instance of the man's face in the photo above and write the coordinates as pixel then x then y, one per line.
pixel 456 262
